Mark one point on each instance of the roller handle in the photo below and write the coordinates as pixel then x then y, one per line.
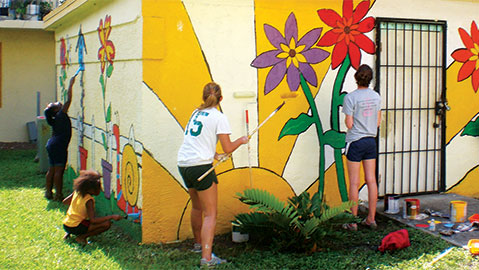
pixel 224 158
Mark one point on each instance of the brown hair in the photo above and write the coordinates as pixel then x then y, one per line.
pixel 211 95
pixel 364 75
pixel 88 180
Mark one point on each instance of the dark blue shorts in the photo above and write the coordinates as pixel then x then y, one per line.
pixel 57 156
pixel 82 228
pixel 364 148
pixel 191 174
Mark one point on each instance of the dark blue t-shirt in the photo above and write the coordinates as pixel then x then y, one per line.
pixel 61 128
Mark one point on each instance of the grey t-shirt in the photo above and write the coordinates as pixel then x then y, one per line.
pixel 363 105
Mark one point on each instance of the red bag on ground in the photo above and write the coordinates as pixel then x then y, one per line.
pixel 395 240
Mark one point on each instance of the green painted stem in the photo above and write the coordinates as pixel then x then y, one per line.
pixel 336 101
pixel 319 130
pixel 104 114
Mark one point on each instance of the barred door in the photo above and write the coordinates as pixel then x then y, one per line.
pixel 410 69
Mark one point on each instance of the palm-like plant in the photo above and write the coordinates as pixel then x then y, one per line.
pixel 299 224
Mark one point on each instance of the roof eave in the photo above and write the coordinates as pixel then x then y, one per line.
pixel 53 19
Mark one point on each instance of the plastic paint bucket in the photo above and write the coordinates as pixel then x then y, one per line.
pixel 391 204
pixel 458 211
pixel 237 236
pixel 411 208
pixel 473 246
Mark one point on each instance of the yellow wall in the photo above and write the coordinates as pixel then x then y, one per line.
pixel 27 67
pixel 165 52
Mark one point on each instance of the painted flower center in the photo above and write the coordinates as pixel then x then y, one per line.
pixel 347 30
pixel 292 53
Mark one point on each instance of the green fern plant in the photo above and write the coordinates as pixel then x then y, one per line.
pixel 299 224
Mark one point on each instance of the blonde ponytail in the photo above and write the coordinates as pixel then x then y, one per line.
pixel 211 96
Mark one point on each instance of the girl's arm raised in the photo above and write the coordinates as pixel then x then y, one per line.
pixel 66 106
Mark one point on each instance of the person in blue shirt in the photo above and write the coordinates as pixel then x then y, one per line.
pixel 57 146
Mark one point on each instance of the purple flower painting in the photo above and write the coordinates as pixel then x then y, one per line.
pixel 291 57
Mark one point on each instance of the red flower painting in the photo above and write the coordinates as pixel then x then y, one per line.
pixel 469 56
pixel 107 49
pixel 63 53
pixel 348 32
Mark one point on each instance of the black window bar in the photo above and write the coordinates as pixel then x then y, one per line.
pixel 411 78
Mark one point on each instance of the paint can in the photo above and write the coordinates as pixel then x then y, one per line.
pixel 391 204
pixel 458 211
pixel 237 236
pixel 411 208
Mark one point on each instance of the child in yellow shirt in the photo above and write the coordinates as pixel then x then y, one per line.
pixel 80 219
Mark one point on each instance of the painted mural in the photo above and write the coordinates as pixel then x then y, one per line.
pixel 269 49
pixel 467 60
pixel 120 187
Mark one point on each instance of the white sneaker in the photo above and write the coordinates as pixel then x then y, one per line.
pixel 213 262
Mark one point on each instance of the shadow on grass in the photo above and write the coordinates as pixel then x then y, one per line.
pixel 356 250
pixel 130 254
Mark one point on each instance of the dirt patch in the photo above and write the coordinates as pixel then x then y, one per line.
pixel 17 145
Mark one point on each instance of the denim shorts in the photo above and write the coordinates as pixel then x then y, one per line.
pixel 364 148
pixel 191 174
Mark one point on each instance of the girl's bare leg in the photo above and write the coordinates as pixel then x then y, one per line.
pixel 353 173
pixel 369 166
pixel 208 199
pixel 196 214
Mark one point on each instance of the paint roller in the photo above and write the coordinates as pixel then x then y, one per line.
pixel 286 96
pixel 81 68
pixel 250 169
pixel 132 216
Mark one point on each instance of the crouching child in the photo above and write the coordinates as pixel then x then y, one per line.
pixel 80 219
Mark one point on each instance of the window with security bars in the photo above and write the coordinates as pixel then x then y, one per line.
pixel 410 72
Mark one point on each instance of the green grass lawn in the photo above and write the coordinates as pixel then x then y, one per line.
pixel 31 238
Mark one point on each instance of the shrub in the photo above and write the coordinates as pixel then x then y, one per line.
pixel 301 224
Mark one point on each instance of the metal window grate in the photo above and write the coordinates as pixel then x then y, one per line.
pixel 410 72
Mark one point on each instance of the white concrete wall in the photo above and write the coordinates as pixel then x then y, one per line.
pixel 27 62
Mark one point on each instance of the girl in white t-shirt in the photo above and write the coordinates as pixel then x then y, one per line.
pixel 206 126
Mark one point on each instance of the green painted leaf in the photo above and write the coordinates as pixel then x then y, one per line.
pixel 61 83
pixel 335 139
pixel 64 74
pixel 109 71
pixel 108 114
pixel 471 129
pixel 296 126
pixel 102 82
pixel 104 141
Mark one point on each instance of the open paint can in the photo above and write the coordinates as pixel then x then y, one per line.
pixel 458 211
pixel 411 208
pixel 237 236
pixel 391 204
